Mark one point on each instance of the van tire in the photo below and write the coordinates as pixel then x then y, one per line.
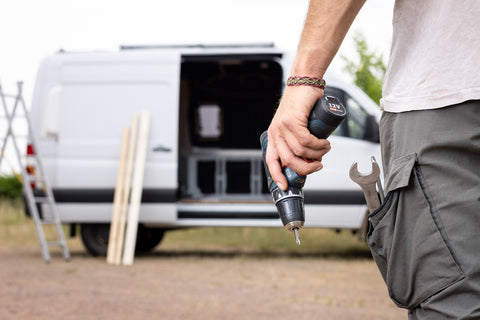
pixel 148 238
pixel 95 238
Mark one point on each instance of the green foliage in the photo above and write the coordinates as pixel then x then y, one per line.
pixel 368 70
pixel 10 187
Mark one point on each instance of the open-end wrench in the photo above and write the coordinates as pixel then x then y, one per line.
pixel 368 184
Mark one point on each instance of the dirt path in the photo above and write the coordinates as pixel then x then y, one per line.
pixel 192 285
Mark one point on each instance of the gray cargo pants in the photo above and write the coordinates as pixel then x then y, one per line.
pixel 425 238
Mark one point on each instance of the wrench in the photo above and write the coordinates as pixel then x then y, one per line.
pixel 368 184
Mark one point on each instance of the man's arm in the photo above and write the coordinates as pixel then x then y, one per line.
pixel 325 28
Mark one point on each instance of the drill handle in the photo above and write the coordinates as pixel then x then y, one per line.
pixel 293 178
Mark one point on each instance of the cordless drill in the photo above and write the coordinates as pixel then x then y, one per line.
pixel 325 117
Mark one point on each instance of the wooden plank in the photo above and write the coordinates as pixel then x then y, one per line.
pixel 126 191
pixel 137 188
pixel 117 198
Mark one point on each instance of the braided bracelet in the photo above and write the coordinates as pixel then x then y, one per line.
pixel 306 81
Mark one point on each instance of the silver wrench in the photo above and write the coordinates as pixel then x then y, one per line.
pixel 368 184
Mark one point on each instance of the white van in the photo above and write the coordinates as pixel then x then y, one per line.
pixel 209 105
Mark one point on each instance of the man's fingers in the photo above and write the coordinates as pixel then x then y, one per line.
pixel 307 145
pixel 297 164
pixel 275 168
pixel 304 168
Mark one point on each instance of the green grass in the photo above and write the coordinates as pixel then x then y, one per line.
pixel 17 230
pixel 266 240
pixel 10 187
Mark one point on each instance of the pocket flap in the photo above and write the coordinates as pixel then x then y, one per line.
pixel 400 172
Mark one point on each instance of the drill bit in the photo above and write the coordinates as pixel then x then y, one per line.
pixel 297 235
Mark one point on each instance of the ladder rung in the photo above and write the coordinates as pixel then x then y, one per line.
pixel 42 200
pixel 49 221
pixel 33 178
pixel 7 95
pixel 19 136
pixel 55 243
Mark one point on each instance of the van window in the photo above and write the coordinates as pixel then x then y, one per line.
pixel 356 118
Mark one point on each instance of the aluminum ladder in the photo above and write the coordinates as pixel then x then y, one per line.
pixel 36 189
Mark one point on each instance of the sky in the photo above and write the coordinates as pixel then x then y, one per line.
pixel 31 29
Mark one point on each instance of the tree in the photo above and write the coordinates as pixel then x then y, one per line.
pixel 368 70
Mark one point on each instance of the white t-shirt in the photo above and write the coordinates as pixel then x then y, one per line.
pixel 435 55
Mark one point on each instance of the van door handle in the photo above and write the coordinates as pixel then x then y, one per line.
pixel 161 149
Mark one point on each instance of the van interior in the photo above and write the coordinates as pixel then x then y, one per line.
pixel 226 102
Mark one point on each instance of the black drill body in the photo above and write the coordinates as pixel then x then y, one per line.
pixel 325 117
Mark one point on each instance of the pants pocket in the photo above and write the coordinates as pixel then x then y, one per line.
pixel 407 241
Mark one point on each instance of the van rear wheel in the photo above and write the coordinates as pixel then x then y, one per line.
pixel 95 238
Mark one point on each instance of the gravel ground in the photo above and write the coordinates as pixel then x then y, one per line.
pixel 192 285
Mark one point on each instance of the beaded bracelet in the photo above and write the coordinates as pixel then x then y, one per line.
pixel 306 81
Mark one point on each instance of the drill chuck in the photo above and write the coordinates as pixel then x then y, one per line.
pixel 325 117
pixel 290 207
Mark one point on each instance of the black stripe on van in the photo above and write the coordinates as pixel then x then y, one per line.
pixel 187 214
pixel 337 197
pixel 106 195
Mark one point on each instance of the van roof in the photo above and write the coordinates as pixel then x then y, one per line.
pixel 188 49
pixel 198 46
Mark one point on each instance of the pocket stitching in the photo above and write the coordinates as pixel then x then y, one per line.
pixel 435 215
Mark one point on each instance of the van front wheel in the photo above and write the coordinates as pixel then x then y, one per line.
pixel 95 238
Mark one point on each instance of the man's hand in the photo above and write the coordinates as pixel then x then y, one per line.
pixel 289 140
pixel 325 28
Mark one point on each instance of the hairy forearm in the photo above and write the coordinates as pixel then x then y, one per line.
pixel 289 139
pixel 326 25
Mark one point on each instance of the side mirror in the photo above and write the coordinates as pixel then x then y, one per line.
pixel 371 132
